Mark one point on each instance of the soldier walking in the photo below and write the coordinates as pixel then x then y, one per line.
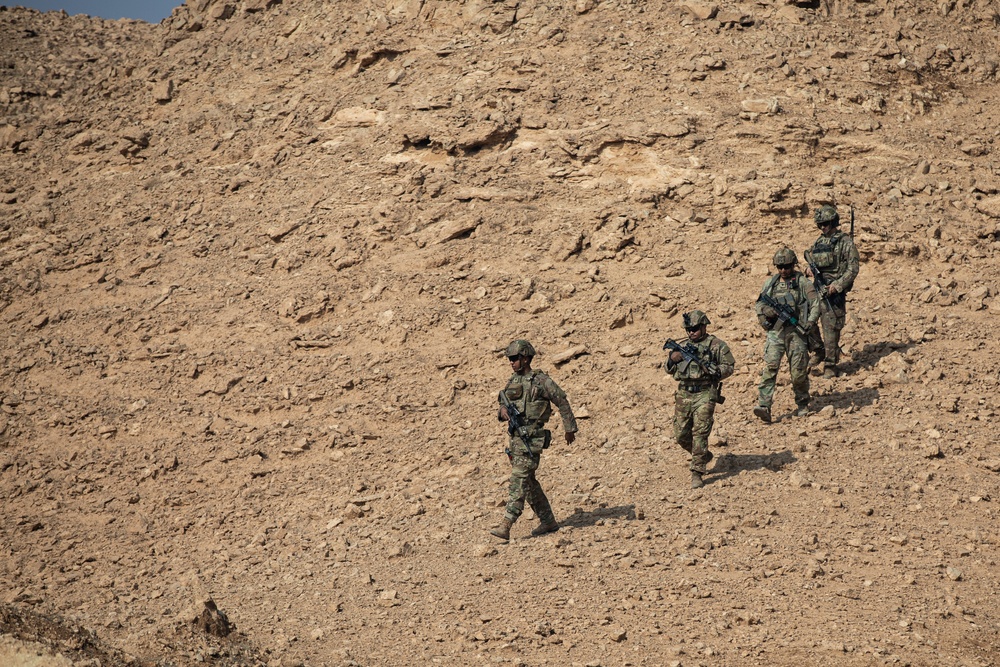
pixel 698 389
pixel 531 393
pixel 787 331
pixel 836 258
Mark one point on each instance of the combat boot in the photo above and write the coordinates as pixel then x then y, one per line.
pixel 545 527
pixel 764 413
pixel 830 371
pixel 803 411
pixel 696 481
pixel 503 530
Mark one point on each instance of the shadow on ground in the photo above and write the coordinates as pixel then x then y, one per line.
pixel 580 518
pixel 729 465
pixel 868 357
pixel 845 399
pixel 841 400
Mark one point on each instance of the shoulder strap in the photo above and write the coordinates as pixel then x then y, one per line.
pixel 769 285
pixel 534 374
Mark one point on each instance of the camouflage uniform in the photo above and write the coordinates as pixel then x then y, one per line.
pixel 533 393
pixel 696 397
pixel 838 262
pixel 783 339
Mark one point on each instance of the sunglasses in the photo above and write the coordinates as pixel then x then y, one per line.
pixel 512 359
pixel 784 266
pixel 692 329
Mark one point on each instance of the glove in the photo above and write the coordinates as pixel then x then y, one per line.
pixel 769 313
pixel 765 323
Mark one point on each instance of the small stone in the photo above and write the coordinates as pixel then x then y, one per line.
pixel 485 550
pixel 702 11
pixel 766 106
pixel 814 569
pixel 538 303
pixel 566 355
pixel 621 319
pixel 403 550
pixel 163 91
pixel 954 573
pixel 932 451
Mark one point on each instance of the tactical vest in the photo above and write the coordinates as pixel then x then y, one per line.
pixel 790 293
pixel 525 393
pixel 686 370
pixel 826 258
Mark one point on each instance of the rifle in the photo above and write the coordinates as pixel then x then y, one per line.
pixel 515 425
pixel 820 284
pixel 785 313
pixel 690 354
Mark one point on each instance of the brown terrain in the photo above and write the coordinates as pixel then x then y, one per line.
pixel 258 265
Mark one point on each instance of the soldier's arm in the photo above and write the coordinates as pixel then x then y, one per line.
pixel 724 360
pixel 812 296
pixel 765 314
pixel 852 260
pixel 557 396
pixel 669 366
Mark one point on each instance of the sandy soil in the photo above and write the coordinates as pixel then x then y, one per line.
pixel 258 265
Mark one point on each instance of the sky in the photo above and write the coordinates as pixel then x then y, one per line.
pixel 152 11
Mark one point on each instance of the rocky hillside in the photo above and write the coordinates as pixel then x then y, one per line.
pixel 258 265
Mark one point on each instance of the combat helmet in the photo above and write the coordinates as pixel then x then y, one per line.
pixel 827 214
pixel 785 256
pixel 695 318
pixel 520 347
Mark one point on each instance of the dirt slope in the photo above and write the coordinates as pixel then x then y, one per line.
pixel 258 264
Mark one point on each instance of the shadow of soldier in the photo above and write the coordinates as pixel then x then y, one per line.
pixel 580 518
pixel 845 399
pixel 730 465
pixel 872 353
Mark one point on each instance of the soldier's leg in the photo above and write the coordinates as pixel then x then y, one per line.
pixel 703 418
pixel 774 350
pixel 538 501
pixel 522 474
pixel 682 419
pixel 534 495
pixel 798 367
pixel 828 322
pixel 817 348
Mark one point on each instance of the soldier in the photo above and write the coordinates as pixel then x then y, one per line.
pixel 793 290
pixel 698 390
pixel 836 257
pixel 531 392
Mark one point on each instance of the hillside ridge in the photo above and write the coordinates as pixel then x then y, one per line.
pixel 259 263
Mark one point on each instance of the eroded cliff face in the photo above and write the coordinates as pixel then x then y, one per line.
pixel 258 264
